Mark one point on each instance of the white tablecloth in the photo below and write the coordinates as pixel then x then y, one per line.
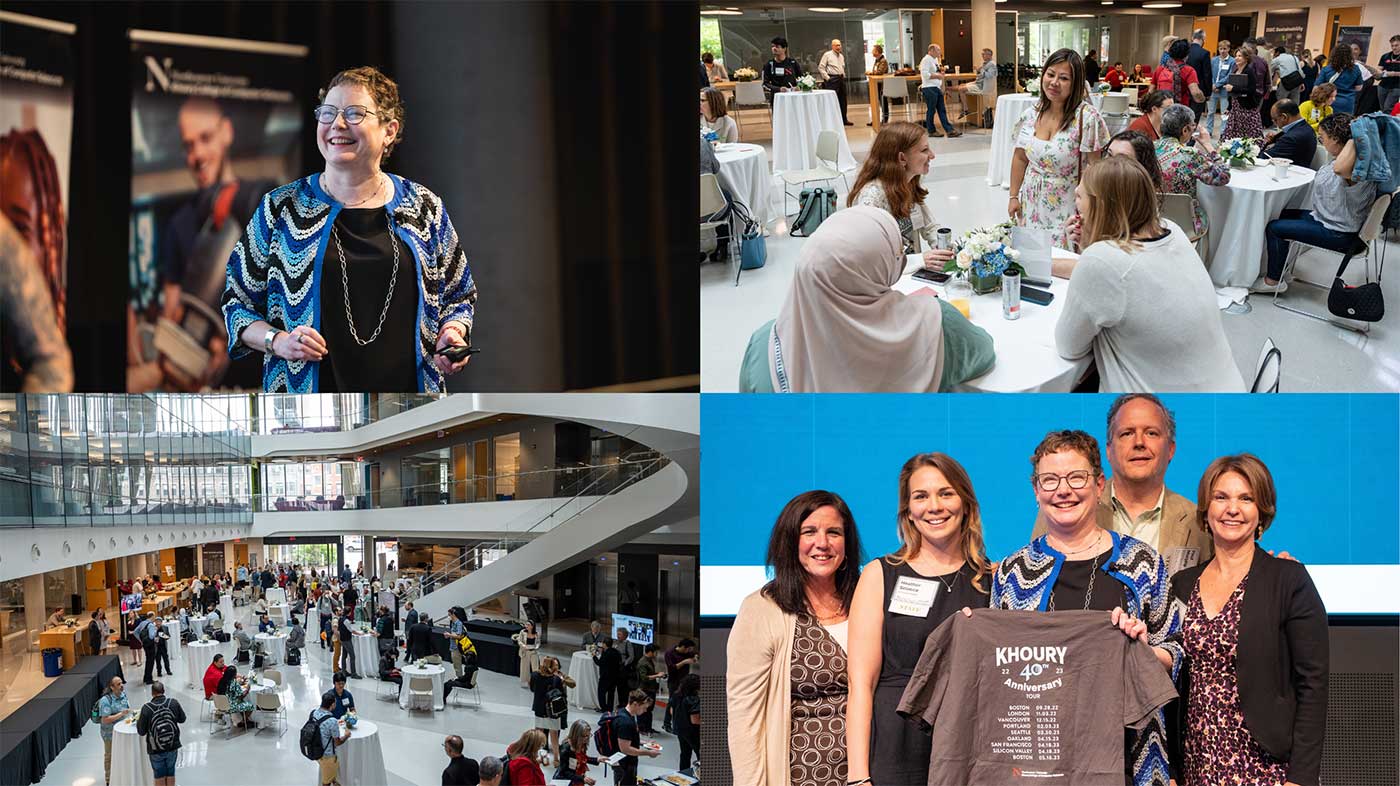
pixel 198 624
pixel 172 629
pixel 277 612
pixel 197 660
pixel 797 119
pixel 274 646
pixel 1026 358
pixel 276 595
pixel 1238 212
pixel 584 673
pixel 226 609
pixel 743 172
pixel 131 765
pixel 1009 109
pixel 361 759
pixel 429 670
pixel 366 652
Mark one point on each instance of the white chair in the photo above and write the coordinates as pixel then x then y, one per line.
pixel 221 705
pixel 828 153
pixel 1181 208
pixel 1131 95
pixel 387 689
pixel 1115 104
pixel 420 688
pixel 1370 230
pixel 748 95
pixel 475 689
pixel 1267 369
pixel 897 88
pixel 712 204
pixel 1320 157
pixel 270 703
pixel 274 676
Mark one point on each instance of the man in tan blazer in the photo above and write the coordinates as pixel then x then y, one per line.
pixel 1141 443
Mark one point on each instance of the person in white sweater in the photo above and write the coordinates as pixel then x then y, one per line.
pixel 1140 299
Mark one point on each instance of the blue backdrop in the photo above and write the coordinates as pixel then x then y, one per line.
pixel 1334 458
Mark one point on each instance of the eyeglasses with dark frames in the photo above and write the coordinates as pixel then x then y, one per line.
pixel 325 114
pixel 1077 479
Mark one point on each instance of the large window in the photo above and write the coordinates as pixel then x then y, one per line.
pixel 507 464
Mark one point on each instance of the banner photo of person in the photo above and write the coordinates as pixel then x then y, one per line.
pixel 36 132
pixel 908 589
pixel 216 124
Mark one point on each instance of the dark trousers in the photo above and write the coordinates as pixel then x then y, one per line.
pixel 162 659
pixel 607 689
pixel 150 648
pixel 625 773
pixel 1198 109
pixel 644 720
pixel 326 629
pixel 690 745
pixel 933 98
pixel 1301 225
pixel 838 85
pixel 884 109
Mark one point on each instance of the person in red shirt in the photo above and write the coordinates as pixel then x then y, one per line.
pixel 1115 76
pixel 1177 78
pixel 212 675
pixel 1150 120
pixel 522 759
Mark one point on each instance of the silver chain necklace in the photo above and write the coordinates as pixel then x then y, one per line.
pixel 1088 593
pixel 345 284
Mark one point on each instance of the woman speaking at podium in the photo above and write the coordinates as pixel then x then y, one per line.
pixel 352 279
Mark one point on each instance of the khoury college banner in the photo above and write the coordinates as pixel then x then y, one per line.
pixel 36 133
pixel 215 124
pixel 1286 28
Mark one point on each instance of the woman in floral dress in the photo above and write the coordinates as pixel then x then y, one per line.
pixel 1182 166
pixel 1054 142
pixel 1243 121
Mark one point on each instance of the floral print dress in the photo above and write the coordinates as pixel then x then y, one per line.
pixel 1220 751
pixel 1047 190
pixel 1183 167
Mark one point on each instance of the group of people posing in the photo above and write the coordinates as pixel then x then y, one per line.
pixel 820 657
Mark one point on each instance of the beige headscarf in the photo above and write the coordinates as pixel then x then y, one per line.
pixel 842 328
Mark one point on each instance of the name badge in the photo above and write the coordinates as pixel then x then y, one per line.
pixel 1181 558
pixel 778 71
pixel 913 597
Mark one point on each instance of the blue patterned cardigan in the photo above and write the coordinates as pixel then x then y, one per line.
pixel 1023 581
pixel 274 274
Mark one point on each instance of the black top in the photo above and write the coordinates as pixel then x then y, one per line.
pixel 899 750
pixel 1199 59
pixel 1389 62
pixel 147 716
pixel 540 686
pixel 389 363
pixel 1091 70
pixel 609 666
pixel 420 639
pixel 688 706
pixel 1281 663
pixel 461 771
pixel 1073 583
pixel 626 728
pixel 789 69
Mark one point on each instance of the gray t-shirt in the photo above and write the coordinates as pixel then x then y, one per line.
pixel 1341 207
pixel 1032 697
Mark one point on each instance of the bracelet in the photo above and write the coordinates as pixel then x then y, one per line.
pixel 859 782
pixel 269 338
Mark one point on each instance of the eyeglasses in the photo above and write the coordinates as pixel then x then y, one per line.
pixel 1077 479
pixel 354 115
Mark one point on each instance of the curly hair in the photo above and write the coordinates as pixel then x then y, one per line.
pixel 382 89
pixel 1081 442
pixel 27 151
pixel 1322 92
pixel 1337 126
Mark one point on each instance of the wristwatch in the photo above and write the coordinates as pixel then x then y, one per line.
pixel 267 339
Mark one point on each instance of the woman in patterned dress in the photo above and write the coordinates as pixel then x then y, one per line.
pixel 1254 629
pixel 1243 121
pixel 1182 166
pixel 1055 140
pixel 786 679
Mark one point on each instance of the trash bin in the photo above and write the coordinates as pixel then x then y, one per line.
pixel 53 662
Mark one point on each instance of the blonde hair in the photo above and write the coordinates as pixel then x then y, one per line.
pixel 1168 40
pixel 578 736
pixel 974 548
pixel 1254 472
pixel 529 743
pixel 1122 201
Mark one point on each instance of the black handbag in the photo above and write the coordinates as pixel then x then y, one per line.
pixel 1364 303
pixel 1294 79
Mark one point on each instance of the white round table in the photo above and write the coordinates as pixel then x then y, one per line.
pixel 1009 109
pixel 1238 213
pixel 197 625
pixel 274 646
pixel 743 172
pixel 278 613
pixel 1027 361
pixel 797 120
pixel 584 672
pixel 226 609
pixel 361 759
pixel 366 652
pixel 197 660
pixel 276 595
pixel 172 629
pixel 131 765
pixel 429 670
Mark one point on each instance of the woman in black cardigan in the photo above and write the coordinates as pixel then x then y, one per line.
pixel 1254 683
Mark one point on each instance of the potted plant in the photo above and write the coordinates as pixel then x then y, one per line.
pixel 806 83
pixel 982 255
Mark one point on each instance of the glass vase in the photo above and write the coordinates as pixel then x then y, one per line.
pixel 983 285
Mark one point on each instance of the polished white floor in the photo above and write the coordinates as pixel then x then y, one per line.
pixel 1317 356
pixel 411 741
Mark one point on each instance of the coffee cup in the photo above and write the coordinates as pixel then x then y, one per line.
pixel 1280 168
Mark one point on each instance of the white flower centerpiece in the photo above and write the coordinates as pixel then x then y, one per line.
pixel 745 74
pixel 1033 86
pixel 982 255
pixel 806 83
pixel 1240 152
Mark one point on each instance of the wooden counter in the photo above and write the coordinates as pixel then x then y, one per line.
pixel 64 638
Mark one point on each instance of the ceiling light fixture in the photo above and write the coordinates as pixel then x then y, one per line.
pixel 1080 16
pixel 827 10
pixel 722 12
pixel 1161 5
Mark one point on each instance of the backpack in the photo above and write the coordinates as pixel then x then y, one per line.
pixel 1177 88
pixel 96 712
pixel 605 736
pixel 505 770
pixel 312 746
pixel 815 205
pixel 555 703
pixel 164 734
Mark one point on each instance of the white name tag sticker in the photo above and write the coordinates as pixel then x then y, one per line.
pixel 913 597
pixel 778 71
pixel 1182 558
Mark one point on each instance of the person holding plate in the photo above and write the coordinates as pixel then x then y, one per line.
pixel 352 279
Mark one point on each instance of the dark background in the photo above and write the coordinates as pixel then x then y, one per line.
pixel 558 135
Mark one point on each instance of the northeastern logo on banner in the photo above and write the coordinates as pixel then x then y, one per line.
pixel 162 73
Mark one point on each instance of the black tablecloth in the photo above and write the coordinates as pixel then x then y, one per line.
pixel 496 653
pixel 493 627
pixel 104 666
pixel 38 731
